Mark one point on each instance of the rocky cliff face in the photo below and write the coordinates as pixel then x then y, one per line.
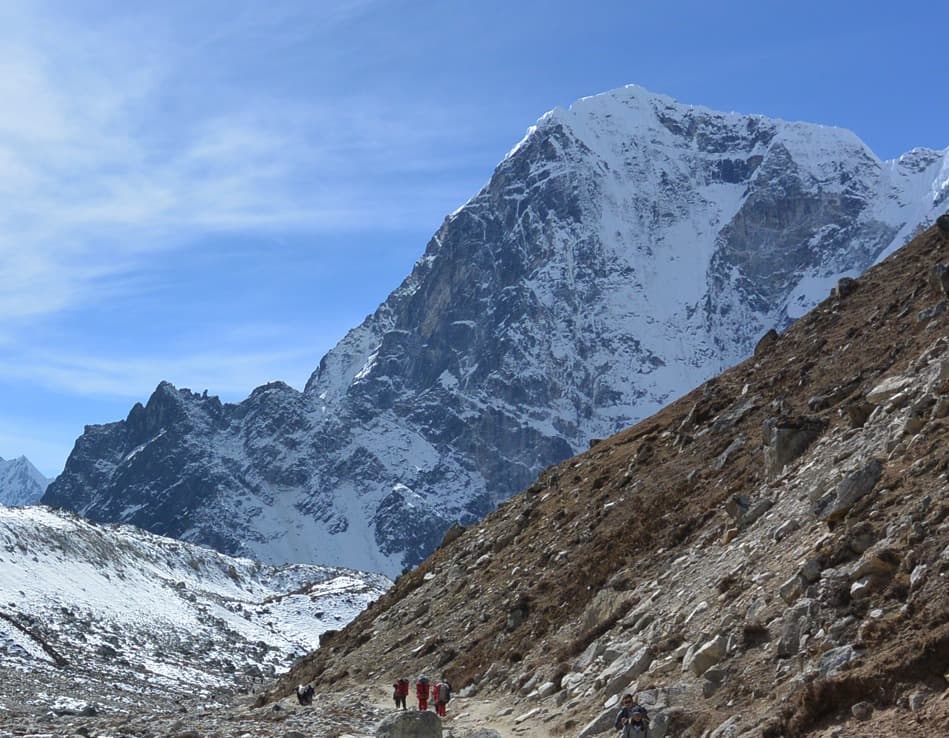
pixel 626 250
pixel 766 557
pixel 21 483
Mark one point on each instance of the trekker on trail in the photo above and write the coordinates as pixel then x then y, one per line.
pixel 632 720
pixel 400 690
pixel 305 694
pixel 421 692
pixel 442 694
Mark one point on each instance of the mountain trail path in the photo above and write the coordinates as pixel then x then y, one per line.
pixel 468 714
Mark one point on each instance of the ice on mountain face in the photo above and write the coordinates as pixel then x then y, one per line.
pixel 624 251
pixel 21 483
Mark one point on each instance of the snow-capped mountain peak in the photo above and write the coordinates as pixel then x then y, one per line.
pixel 21 483
pixel 628 248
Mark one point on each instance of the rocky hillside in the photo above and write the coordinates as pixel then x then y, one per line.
pixel 21 483
pixel 626 250
pixel 766 556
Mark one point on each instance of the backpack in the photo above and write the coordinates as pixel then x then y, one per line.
pixel 641 730
pixel 444 693
pixel 403 688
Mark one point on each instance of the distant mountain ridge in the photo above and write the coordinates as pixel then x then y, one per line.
pixel 93 610
pixel 21 483
pixel 624 251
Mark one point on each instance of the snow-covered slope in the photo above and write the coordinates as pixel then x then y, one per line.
pixel 624 251
pixel 21 483
pixel 125 607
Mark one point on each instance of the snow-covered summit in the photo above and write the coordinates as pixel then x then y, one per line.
pixel 628 248
pixel 21 483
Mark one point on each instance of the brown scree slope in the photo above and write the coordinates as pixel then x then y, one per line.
pixel 640 543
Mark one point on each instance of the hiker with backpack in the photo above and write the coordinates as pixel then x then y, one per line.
pixel 421 692
pixel 632 720
pixel 400 690
pixel 305 694
pixel 442 694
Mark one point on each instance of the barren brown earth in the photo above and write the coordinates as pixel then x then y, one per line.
pixel 676 537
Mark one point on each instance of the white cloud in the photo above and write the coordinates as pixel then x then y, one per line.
pixel 117 145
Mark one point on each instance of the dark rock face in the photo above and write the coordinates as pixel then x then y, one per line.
pixel 787 438
pixel 623 252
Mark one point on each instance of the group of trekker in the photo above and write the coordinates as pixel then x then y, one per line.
pixel 632 720
pixel 438 693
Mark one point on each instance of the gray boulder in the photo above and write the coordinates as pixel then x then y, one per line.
pixel 708 655
pixel 835 504
pixel 600 724
pixel 484 733
pixel 833 661
pixel 626 668
pixel 787 438
pixel 410 724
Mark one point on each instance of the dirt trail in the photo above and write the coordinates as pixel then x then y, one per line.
pixel 468 714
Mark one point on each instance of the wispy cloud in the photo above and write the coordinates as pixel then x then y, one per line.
pixel 112 150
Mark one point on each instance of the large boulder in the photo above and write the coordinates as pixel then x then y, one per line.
pixel 600 724
pixel 785 439
pixel 707 655
pixel 410 724
pixel 888 389
pixel 626 668
pixel 835 504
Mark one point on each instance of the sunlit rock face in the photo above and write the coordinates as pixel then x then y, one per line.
pixel 623 252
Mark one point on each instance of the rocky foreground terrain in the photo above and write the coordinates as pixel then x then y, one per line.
pixel 765 557
pixel 111 630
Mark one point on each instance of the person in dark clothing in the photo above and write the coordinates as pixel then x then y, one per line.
pixel 632 719
pixel 400 690
pixel 625 711
pixel 305 694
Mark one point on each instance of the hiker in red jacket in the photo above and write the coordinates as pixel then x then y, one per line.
pixel 421 692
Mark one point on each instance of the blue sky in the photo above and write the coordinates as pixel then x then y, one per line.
pixel 212 193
